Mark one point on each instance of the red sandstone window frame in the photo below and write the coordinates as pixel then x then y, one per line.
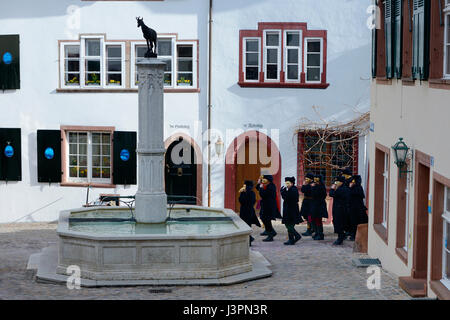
pixel 282 82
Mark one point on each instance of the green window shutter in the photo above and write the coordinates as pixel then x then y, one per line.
pixel 388 28
pixel 398 4
pixel 421 39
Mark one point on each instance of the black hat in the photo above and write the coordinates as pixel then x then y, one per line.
pixel 310 175
pixel 268 177
pixel 357 179
pixel 320 177
pixel 340 178
pixel 347 171
pixel 248 183
pixel 290 179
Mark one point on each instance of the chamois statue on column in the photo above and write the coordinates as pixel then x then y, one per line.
pixel 150 36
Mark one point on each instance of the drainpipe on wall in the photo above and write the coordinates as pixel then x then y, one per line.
pixel 209 99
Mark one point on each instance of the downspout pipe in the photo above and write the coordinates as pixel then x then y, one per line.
pixel 209 98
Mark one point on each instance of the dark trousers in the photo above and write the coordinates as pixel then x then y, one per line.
pixel 290 228
pixel 316 221
pixel 268 224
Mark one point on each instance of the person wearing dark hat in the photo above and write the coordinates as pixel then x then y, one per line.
pixel 247 199
pixel 319 206
pixel 269 205
pixel 347 174
pixel 305 210
pixel 291 213
pixel 358 210
pixel 341 202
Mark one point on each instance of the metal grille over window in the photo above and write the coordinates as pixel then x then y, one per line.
pixel 184 63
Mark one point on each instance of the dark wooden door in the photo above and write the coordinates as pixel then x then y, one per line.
pixel 181 172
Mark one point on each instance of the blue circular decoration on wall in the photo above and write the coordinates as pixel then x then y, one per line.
pixel 7 58
pixel 124 155
pixel 9 151
pixel 49 153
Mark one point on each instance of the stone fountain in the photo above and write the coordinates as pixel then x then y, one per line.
pixel 151 244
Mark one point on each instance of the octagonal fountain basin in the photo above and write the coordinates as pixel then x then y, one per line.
pixel 194 243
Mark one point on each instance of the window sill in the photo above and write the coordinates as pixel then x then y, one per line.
pixel 125 90
pixel 439 83
pixel 384 81
pixel 440 290
pixel 283 85
pixel 381 231
pixel 82 184
pixel 402 254
pixel 408 81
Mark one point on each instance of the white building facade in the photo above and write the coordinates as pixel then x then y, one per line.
pixel 258 67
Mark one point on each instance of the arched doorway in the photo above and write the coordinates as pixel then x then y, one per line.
pixel 183 170
pixel 250 155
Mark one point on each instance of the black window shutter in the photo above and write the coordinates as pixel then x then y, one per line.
pixel 388 28
pixel 49 155
pixel 11 154
pixel 398 38
pixel 374 52
pixel 124 157
pixel 9 62
pixel 421 39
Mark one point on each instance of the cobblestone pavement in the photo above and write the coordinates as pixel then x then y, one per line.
pixel 308 270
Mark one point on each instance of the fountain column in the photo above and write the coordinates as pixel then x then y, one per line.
pixel 151 199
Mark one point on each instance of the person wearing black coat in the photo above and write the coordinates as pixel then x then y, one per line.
pixel 291 213
pixel 305 210
pixel 269 205
pixel 247 199
pixel 358 210
pixel 319 206
pixel 341 202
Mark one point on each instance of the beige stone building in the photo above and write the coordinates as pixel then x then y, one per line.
pixel 409 212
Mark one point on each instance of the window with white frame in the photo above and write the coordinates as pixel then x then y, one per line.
pixel 446 243
pixel 89 156
pixel 313 60
pixel 447 40
pixel 179 56
pixel 385 190
pixel 292 55
pixel 405 247
pixel 251 56
pixel 92 63
pixel 272 44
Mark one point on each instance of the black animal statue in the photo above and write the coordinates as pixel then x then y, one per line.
pixel 150 36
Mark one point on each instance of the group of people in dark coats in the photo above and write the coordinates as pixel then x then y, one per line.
pixel 348 206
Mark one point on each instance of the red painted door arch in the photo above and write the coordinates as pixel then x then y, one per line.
pixel 231 163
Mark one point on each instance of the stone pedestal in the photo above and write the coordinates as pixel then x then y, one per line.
pixel 151 199
pixel 361 241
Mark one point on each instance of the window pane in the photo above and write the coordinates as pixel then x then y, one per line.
pixel 272 71
pixel 82 148
pixel 72 65
pixel 73 137
pixel 251 73
pixel 313 46
pixel 106 138
pixel 184 79
pixel 448 57
pixel 140 51
pixel 272 55
pixel 93 47
pixel 185 51
pixel 165 47
pixel 106 150
pixel 72 51
pixel 96 149
pixel 313 60
pixel 448 238
pixel 83 161
pixel 185 65
pixel 448 199
pixel 168 79
pixel 72 78
pixel 106 173
pixel 272 39
pixel 292 55
pixel 293 39
pixel 114 65
pixel 73 160
pixel 83 172
pixel 252 45
pixel 293 72
pixel 448 29
pixel 168 65
pixel 96 161
pixel 73 172
pixel 105 162
pixel 447 270
pixel 114 51
pixel 82 137
pixel 73 148
pixel 252 59
pixel 92 65
pixel 96 138
pixel 93 79
pixel 313 74
pixel 114 79
pixel 95 172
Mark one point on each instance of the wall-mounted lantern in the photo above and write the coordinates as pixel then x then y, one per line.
pixel 400 154
pixel 219 146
